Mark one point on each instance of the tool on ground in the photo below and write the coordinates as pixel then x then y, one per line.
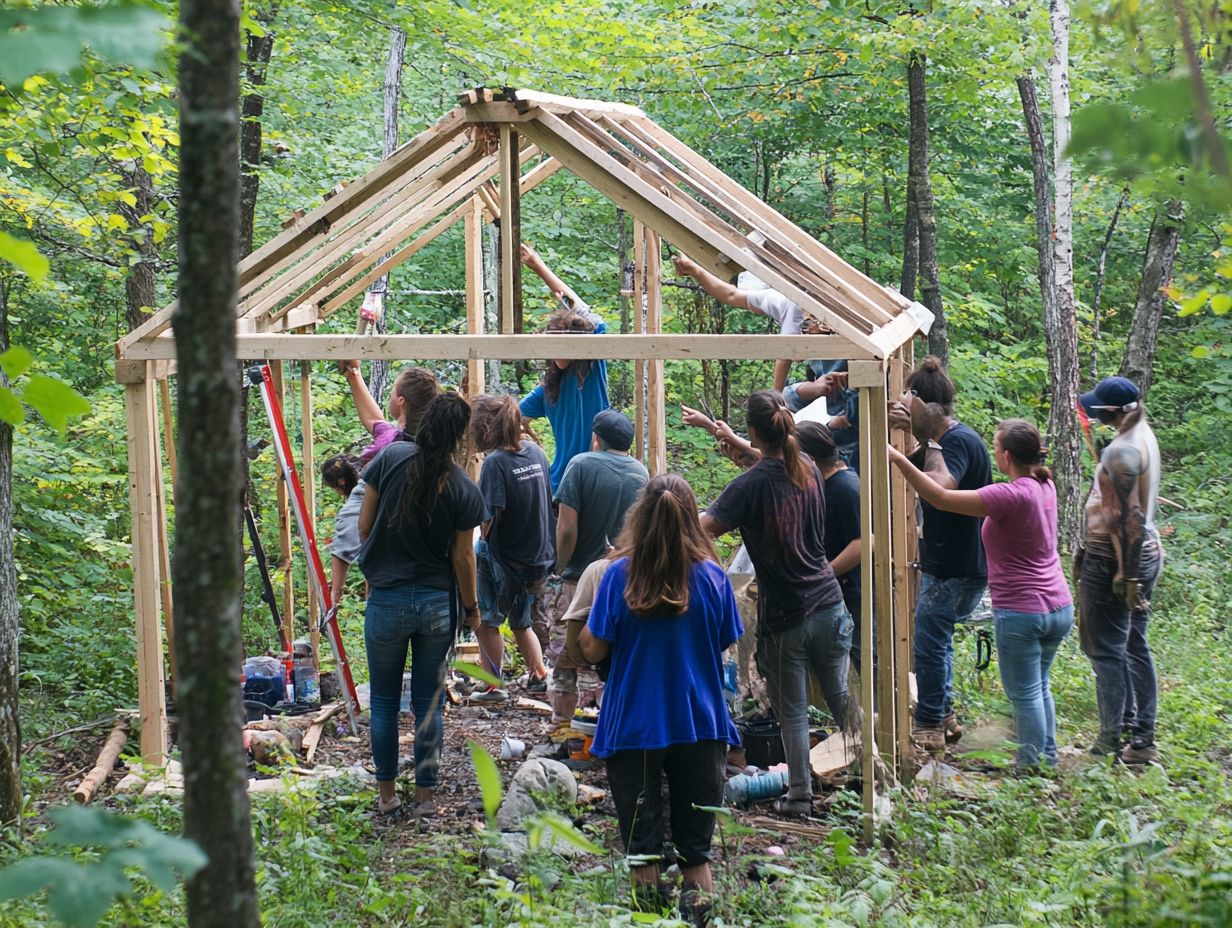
pixel 983 649
pixel 267 585
pixel 262 377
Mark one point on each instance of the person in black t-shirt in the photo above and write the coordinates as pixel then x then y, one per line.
pixel 954 574
pixel 803 626
pixel 518 547
pixel 417 523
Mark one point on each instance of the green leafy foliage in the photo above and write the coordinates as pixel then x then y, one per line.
pixel 488 776
pixel 22 254
pixel 79 894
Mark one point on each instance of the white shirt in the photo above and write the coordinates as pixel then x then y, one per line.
pixel 785 312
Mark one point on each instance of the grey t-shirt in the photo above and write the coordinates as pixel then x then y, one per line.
pixel 518 495
pixel 601 486
pixel 346 543
pixel 415 551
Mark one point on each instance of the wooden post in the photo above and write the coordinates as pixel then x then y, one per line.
pixel 143 502
pixel 656 457
pixel 310 497
pixel 639 326
pixel 473 233
pixel 284 521
pixel 888 676
pixel 866 609
pixel 903 542
pixel 164 547
pixel 164 392
pixel 510 231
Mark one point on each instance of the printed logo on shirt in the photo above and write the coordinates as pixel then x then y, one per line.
pixel 529 472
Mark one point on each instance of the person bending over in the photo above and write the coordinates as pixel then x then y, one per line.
pixel 516 551
pixel 954 573
pixel 1031 602
pixel 1117 568
pixel 417 522
pixel 802 624
pixel 665 612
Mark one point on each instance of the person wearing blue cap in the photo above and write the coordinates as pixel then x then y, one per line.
pixel 1116 568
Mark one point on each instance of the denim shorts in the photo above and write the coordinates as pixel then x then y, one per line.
pixel 489 576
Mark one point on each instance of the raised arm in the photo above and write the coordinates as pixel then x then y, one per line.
pixel 728 294
pixel 1120 469
pixel 369 412
pixel 559 289
pixel 935 484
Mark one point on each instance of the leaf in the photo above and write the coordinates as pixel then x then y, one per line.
pixel 54 400
pixel 479 673
pixel 11 410
pixel 50 40
pixel 15 362
pixel 24 255
pixel 13 155
pixel 80 895
pixel 488 776
pixel 1221 303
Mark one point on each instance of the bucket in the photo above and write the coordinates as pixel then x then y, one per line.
pixel 763 742
pixel 405 705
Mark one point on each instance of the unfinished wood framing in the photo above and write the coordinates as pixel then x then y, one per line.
pixel 325 258
pixel 285 528
pixel 309 479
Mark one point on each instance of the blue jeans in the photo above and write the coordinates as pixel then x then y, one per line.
pixel 819 645
pixel 1114 639
pixel 941 605
pixel 397 618
pixel 1026 644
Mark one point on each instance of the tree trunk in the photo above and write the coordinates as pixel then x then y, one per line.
pixel 378 373
pixel 1097 298
pixel 1063 178
pixel 140 283
pixel 10 709
pixel 1060 336
pixel 911 245
pixel 207 567
pixel 256 62
pixel 926 218
pixel 1138 362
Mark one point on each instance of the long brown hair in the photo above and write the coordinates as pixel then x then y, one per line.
pixel 932 384
pixel 561 321
pixel 662 539
pixel 496 422
pixel 772 420
pixel 443 426
pixel 417 386
pixel 1021 440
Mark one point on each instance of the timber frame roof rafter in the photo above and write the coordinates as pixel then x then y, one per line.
pixel 325 259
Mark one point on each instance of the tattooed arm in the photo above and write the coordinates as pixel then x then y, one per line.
pixel 1121 469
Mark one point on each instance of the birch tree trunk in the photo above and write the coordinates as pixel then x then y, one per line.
pixel 207 568
pixel 1060 335
pixel 1138 362
pixel 921 187
pixel 378 374
pixel 10 707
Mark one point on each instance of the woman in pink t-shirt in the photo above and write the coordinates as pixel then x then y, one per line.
pixel 1031 602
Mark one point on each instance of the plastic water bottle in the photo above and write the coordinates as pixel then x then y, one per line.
pixel 743 789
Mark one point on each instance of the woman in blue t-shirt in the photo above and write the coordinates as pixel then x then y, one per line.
pixel 417 523
pixel 665 613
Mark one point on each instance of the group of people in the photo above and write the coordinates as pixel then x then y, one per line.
pixel 591 562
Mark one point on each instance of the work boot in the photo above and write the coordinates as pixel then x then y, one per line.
pixel 1138 754
pixel 953 730
pixel 930 738
pixel 696 907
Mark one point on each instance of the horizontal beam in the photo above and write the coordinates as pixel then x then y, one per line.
pixel 524 347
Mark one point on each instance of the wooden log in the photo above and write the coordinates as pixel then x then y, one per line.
pixel 107 758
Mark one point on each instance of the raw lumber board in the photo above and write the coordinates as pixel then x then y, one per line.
pixel 525 702
pixel 317 728
pixel 838 752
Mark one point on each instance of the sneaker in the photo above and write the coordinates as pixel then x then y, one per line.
pixel 930 738
pixel 1104 747
pixel 1140 754
pixel 953 730
pixel 490 694
pixel 536 686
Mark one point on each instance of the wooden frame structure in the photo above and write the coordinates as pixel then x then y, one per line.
pixel 474 166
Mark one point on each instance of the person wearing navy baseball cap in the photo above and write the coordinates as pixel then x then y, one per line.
pixel 1111 396
pixel 1116 569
